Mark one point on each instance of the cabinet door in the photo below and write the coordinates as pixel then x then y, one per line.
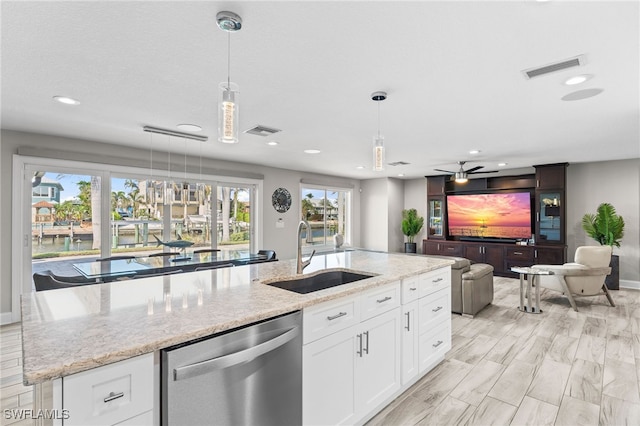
pixel 328 393
pixel 409 342
pixel 474 252
pixel 378 364
pixel 550 255
pixel 430 247
pixel 494 256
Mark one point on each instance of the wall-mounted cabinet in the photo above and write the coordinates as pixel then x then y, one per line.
pixel 550 206
pixel 436 217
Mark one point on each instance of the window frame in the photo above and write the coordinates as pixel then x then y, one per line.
pixel 348 235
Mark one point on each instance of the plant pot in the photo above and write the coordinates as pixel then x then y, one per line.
pixel 613 279
pixel 410 247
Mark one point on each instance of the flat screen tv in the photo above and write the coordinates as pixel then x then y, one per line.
pixel 498 215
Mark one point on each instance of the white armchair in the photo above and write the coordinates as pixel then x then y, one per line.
pixel 584 277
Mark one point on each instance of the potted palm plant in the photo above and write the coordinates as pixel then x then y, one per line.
pixel 607 228
pixel 411 226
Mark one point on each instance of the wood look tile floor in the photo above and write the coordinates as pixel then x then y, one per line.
pixel 505 367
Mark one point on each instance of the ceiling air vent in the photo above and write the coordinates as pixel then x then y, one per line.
pixel 557 66
pixel 262 130
pixel 399 163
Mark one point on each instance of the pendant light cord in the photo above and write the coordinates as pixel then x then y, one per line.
pixel 228 60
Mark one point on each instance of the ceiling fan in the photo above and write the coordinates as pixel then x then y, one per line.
pixel 461 175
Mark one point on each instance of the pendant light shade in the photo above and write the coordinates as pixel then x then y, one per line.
pixel 228 113
pixel 228 98
pixel 378 140
pixel 378 153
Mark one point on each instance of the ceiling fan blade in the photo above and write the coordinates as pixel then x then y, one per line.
pixel 486 171
pixel 446 171
pixel 473 169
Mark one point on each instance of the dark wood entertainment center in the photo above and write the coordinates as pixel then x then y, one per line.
pixel 547 187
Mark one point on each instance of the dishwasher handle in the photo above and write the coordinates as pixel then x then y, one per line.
pixel 235 358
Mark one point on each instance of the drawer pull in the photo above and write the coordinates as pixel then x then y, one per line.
pixel 435 345
pixel 451 248
pixel 437 280
pixel 336 316
pixel 412 288
pixel 113 395
pixel 384 300
pixel 517 253
pixel 436 309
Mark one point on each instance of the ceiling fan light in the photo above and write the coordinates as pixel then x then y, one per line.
pixel 461 177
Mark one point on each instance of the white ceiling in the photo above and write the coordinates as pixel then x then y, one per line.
pixel 452 71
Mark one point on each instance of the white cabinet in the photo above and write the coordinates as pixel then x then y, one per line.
pixel 426 308
pixel 119 393
pixel 362 351
pixel 328 392
pixel 377 369
pixel 350 372
pixel 410 360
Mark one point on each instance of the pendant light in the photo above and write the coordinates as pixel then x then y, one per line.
pixel 228 100
pixel 378 141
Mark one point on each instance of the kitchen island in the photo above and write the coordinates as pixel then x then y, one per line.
pixel 77 329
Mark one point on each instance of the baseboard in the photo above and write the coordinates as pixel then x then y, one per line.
pixel 631 285
pixel 6 318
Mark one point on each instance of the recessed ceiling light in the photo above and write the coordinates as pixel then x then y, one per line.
pixel 582 94
pixel 360 167
pixel 578 79
pixel 502 164
pixel 66 100
pixel 189 127
pixel 272 143
pixel 312 151
pixel 474 151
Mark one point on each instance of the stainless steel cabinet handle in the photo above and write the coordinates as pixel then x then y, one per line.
pixel 384 300
pixel 366 349
pixel 336 316
pixel 435 345
pixel 235 358
pixel 359 351
pixel 412 288
pixel 408 326
pixel 436 309
pixel 517 253
pixel 437 280
pixel 535 254
pixel 451 248
pixel 113 395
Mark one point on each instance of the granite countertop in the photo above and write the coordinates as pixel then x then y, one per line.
pixel 76 329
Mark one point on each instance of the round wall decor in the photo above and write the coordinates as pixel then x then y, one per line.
pixel 281 200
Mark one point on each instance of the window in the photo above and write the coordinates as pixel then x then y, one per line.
pixel 328 212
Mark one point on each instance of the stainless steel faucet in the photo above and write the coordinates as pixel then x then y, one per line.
pixel 300 264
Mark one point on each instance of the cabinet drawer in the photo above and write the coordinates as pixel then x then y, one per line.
pixel 435 280
pixel 379 300
pixel 447 249
pixel 434 345
pixel 109 394
pixel 521 253
pixel 410 289
pixel 433 310
pixel 327 318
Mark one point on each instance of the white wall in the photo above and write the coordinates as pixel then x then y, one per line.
pixel 374 214
pixel 616 183
pixel 282 240
pixel 395 204
pixel 415 197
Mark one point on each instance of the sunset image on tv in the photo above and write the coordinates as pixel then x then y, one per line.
pixel 490 215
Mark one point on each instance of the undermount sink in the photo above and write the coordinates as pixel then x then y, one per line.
pixel 319 281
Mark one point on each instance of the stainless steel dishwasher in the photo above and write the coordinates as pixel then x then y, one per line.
pixel 247 376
